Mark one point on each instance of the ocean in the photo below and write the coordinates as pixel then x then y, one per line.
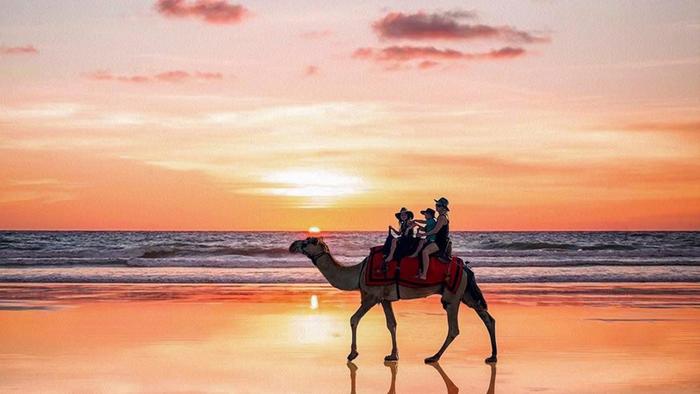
pixel 263 257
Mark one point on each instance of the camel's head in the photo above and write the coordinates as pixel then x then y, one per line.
pixel 310 247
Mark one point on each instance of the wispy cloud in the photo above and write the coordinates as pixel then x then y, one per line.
pixel 44 190
pixel 670 127
pixel 219 12
pixel 451 25
pixel 19 50
pixel 165 76
pixel 428 56
pixel 50 111
pixel 621 173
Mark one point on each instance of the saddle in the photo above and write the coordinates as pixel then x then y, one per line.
pixel 402 272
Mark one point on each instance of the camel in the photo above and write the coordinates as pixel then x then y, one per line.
pixel 348 278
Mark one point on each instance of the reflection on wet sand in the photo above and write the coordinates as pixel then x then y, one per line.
pixel 449 384
pixel 394 367
pixel 133 338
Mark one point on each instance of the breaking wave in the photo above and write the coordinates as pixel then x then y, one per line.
pixel 162 252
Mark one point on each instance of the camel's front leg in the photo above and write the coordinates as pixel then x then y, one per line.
pixel 391 325
pixel 354 321
pixel 452 331
pixel 490 323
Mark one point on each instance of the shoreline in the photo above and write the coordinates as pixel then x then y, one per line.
pixel 621 294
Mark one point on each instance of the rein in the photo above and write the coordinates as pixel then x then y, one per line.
pixel 314 258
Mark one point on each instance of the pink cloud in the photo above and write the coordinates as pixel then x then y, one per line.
pixel 310 70
pixel 426 64
pixel 102 75
pixel 446 26
pixel 22 50
pixel 405 53
pixel 172 76
pixel 503 53
pixel 211 11
pixel 208 75
pixel 428 55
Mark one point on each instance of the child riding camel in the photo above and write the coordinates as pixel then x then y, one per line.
pixel 428 224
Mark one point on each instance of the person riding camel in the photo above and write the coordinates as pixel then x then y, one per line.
pixel 441 231
pixel 399 242
pixel 427 225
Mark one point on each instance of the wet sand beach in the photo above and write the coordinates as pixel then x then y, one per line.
pixel 569 338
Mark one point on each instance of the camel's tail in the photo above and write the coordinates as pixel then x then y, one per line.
pixel 472 295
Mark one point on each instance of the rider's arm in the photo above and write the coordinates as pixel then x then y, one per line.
pixel 440 222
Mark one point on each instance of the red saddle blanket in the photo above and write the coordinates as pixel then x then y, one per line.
pixel 404 272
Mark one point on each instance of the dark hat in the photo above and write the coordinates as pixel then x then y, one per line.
pixel 406 211
pixel 443 202
pixel 428 210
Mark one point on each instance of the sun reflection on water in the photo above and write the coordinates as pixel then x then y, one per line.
pixel 313 328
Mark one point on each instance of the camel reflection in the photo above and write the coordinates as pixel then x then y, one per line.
pixel 449 385
pixel 394 366
pixel 353 377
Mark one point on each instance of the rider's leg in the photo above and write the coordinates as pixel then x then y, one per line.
pixel 427 251
pixel 391 251
pixel 418 248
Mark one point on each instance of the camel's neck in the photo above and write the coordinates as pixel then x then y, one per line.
pixel 339 276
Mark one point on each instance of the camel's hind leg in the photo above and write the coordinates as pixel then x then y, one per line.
pixel 354 322
pixel 452 309
pixel 489 322
pixel 391 325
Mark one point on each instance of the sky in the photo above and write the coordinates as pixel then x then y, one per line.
pixel 269 115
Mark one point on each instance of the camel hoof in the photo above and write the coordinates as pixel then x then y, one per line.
pixel 491 360
pixel 432 359
pixel 353 355
pixel 392 357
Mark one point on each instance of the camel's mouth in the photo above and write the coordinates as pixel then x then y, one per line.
pixel 294 247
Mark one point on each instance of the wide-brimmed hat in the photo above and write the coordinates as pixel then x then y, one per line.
pixel 442 201
pixel 428 210
pixel 406 211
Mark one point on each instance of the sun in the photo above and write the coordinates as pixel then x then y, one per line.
pixel 314 230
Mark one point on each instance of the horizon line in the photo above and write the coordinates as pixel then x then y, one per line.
pixel 347 231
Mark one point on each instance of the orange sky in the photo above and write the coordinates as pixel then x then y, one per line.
pixel 178 114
